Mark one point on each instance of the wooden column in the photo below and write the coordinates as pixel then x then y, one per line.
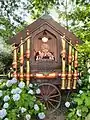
pixel 21 60
pixel 28 59
pixel 75 76
pixel 69 66
pixel 14 64
pixel 63 54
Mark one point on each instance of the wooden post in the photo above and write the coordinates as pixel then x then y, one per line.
pixel 75 68
pixel 69 66
pixel 63 53
pixel 14 64
pixel 21 60
pixel 28 59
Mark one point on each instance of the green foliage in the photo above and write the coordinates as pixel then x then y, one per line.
pixel 5 56
pixel 38 7
pixel 6 29
pixel 80 101
pixel 10 18
pixel 19 101
pixel 9 8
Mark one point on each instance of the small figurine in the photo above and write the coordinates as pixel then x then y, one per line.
pixel 44 53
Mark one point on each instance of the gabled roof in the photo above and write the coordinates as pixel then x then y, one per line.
pixel 45 19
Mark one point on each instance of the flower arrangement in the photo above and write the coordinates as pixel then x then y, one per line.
pixel 19 102
pixel 79 106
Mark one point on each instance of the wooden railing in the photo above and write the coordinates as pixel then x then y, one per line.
pixel 68 77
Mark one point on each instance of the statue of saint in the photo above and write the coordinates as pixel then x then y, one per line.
pixel 44 53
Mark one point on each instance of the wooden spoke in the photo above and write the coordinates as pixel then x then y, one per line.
pixel 51 104
pixel 50 95
pixel 39 96
pixel 52 92
pixel 54 96
pixel 47 105
pixel 54 100
pixel 48 88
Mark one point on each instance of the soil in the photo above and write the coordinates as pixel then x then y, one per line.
pixel 59 114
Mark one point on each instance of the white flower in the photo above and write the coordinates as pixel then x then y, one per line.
pixel 31 92
pixel 89 79
pixel 6 98
pixel 41 115
pixel 28 117
pixel 21 84
pixel 9 83
pixel 6 119
pixel 18 115
pixel 38 91
pixel 1 81
pixel 36 107
pixel 16 91
pixel 89 71
pixel 78 113
pixel 14 80
pixel 1 93
pixel 80 91
pixel 30 85
pixel 67 104
pixel 13 91
pixel 16 97
pixel 3 113
pixel 6 105
pixel 79 82
pixel 35 84
pixel 23 109
pixel 88 86
pixel 45 108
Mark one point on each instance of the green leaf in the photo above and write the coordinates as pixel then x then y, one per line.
pixel 84 109
pixel 79 101
pixel 87 101
pixel 88 117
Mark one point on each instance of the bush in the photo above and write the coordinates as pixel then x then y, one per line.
pixel 80 102
pixel 5 56
pixel 19 102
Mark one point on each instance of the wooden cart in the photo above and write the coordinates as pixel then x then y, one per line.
pixel 46 53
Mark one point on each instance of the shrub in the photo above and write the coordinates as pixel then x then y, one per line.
pixel 19 102
pixel 5 56
pixel 80 101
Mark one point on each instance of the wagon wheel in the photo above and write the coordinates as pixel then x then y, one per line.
pixel 50 96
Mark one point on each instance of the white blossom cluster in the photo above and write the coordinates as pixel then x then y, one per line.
pixel 6 105
pixel 89 71
pixel 6 98
pixel 31 91
pixel 78 112
pixel 79 82
pixel 1 93
pixel 3 113
pixel 16 97
pixel 80 91
pixel 16 91
pixel 30 85
pixel 9 83
pixel 36 107
pixel 21 84
pixel 41 115
pixel 15 94
pixel 22 109
pixel 28 117
pixel 67 104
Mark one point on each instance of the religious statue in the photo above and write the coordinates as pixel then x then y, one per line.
pixel 44 53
